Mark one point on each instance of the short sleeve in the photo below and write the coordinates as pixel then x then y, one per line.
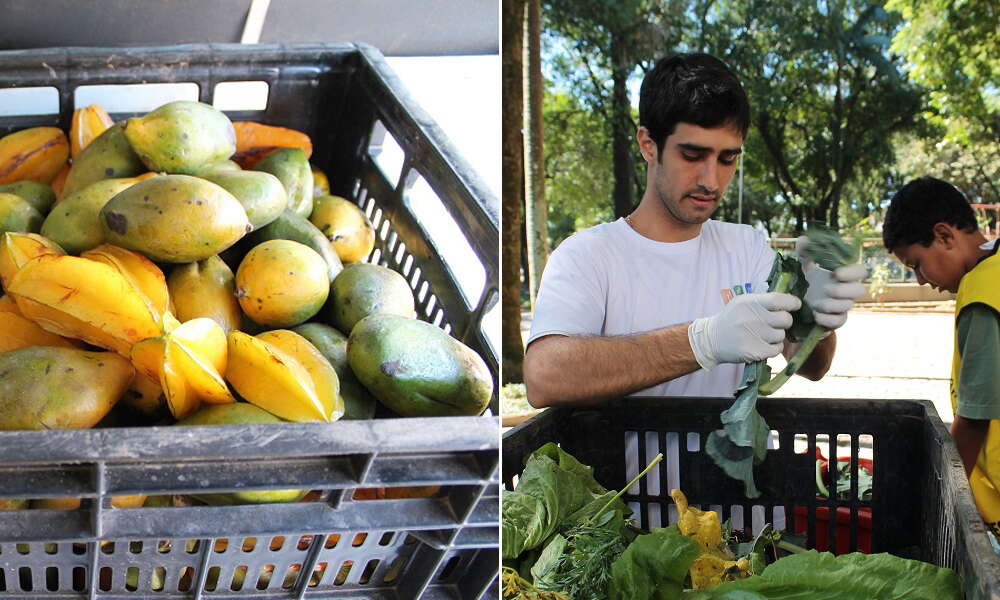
pixel 978 336
pixel 572 297
pixel 764 263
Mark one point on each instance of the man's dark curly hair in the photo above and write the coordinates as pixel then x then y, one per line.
pixel 691 88
pixel 918 206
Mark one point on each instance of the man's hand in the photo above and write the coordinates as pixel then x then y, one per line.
pixel 749 328
pixel 830 294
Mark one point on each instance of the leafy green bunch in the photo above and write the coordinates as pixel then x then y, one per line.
pixel 743 444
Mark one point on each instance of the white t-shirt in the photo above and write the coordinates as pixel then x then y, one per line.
pixel 609 280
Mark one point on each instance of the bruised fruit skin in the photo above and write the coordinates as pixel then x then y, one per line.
pixel 267 376
pixel 181 137
pixel 416 369
pixel 84 299
pixel 74 223
pixel 175 219
pixel 323 375
pixel 109 156
pixel 18 248
pixel 43 387
pixel 281 283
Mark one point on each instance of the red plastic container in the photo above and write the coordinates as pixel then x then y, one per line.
pixel 864 522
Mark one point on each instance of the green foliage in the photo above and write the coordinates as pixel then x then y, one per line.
pixel 578 172
pixel 954 50
pixel 653 566
pixel 855 576
pixel 553 486
pixel 826 94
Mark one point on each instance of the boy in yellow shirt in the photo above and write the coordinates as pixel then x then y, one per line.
pixel 930 227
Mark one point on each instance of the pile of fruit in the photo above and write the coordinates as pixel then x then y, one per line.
pixel 179 267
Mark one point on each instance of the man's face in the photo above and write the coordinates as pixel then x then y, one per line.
pixel 936 265
pixel 694 169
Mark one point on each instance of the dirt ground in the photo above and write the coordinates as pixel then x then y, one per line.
pixel 886 353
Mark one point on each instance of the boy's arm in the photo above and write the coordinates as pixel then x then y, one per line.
pixel 969 434
pixel 978 335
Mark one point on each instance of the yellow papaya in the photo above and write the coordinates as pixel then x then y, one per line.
pixel 281 283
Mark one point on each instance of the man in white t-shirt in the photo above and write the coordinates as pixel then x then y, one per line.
pixel 667 301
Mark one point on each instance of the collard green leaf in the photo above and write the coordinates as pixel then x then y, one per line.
pixel 654 566
pixel 827 250
pixel 856 576
pixel 745 441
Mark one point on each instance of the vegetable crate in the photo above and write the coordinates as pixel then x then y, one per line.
pixel 358 534
pixel 921 505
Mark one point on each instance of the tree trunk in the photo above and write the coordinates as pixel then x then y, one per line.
pixel 512 351
pixel 622 130
pixel 535 214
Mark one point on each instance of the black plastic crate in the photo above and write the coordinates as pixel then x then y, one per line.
pixel 921 505
pixel 336 545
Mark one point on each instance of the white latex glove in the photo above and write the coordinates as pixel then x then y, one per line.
pixel 830 294
pixel 750 328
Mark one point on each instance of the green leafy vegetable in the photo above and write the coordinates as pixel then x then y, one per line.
pixel 654 566
pixel 827 250
pixel 844 481
pixel 552 486
pixel 856 576
pixel 744 441
pixel 579 564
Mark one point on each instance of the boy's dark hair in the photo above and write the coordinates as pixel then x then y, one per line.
pixel 691 88
pixel 918 206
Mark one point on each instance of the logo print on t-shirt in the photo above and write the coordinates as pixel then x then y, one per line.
pixel 737 290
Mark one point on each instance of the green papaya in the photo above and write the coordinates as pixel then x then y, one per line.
pixel 260 193
pixel 364 289
pixel 108 156
pixel 358 402
pixel 46 387
pixel 74 224
pixel 175 219
pixel 416 369
pixel 181 137
pixel 37 194
pixel 291 167
pixel 16 214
